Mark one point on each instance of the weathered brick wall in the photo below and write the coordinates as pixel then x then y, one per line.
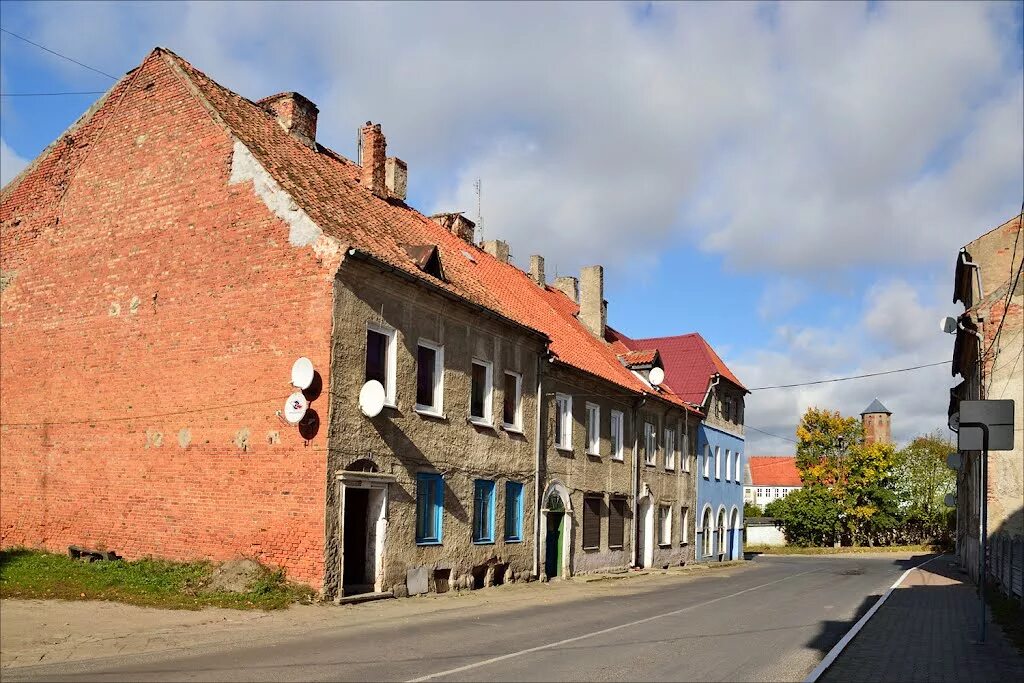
pixel 164 295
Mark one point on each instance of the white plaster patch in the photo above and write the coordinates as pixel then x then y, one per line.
pixel 244 167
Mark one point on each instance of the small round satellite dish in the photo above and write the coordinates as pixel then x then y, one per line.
pixel 656 376
pixel 953 461
pixel 950 500
pixel 954 422
pixel 948 324
pixel 371 398
pixel 295 408
pixel 302 373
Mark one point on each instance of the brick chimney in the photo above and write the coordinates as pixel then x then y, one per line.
pixel 569 286
pixel 593 313
pixel 498 249
pixel 295 114
pixel 396 177
pixel 537 269
pixel 457 224
pixel 372 158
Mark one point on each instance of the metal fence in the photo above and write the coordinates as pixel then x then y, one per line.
pixel 1006 564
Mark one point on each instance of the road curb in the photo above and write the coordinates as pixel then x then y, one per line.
pixel 830 658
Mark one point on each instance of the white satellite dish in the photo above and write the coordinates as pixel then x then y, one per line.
pixel 371 398
pixel 950 500
pixel 295 408
pixel 656 376
pixel 948 324
pixel 953 461
pixel 302 373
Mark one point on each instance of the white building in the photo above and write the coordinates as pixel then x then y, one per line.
pixel 771 477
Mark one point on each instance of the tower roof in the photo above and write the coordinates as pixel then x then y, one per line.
pixel 876 407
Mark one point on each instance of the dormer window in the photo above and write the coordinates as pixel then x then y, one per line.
pixel 426 257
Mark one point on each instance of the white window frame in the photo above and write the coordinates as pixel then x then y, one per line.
pixel 670 448
pixel 563 439
pixel 736 467
pixel 516 426
pixel 438 408
pixel 390 362
pixel 707 461
pixel 665 524
pixel 718 462
pixel 593 429
pixel 684 526
pixel 728 465
pixel 617 422
pixel 650 443
pixel 488 418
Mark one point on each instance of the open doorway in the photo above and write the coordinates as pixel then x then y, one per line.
pixel 363 529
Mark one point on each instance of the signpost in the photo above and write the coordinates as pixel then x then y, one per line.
pixel 985 425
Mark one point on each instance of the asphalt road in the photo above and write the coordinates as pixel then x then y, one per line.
pixel 773 620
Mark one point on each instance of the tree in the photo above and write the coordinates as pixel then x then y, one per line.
pixel 809 516
pixel 922 482
pixel 751 510
pixel 823 439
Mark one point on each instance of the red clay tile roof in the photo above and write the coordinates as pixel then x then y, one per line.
pixel 772 470
pixel 327 187
pixel 632 359
pixel 690 363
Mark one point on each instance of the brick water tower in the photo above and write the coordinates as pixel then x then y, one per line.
pixel 877 421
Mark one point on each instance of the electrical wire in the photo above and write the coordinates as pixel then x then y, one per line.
pixel 54 52
pixel 777 436
pixel 845 379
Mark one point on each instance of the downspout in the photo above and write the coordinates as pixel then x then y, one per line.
pixel 981 354
pixel 636 479
pixel 538 451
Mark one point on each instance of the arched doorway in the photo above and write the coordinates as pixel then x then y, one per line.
pixel 645 541
pixel 707 531
pixel 556 523
pixel 721 549
pixel 736 536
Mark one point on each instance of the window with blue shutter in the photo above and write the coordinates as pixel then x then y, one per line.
pixel 513 511
pixel 429 507
pixel 483 511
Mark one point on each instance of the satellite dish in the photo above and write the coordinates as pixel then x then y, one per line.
pixel 371 398
pixel 953 461
pixel 295 408
pixel 948 324
pixel 656 376
pixel 950 500
pixel 302 373
pixel 954 422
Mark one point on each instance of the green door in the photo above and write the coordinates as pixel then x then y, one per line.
pixel 553 548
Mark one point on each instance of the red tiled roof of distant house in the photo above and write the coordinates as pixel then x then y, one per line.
pixel 772 470
pixel 328 188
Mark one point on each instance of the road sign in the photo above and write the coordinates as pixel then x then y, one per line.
pixel 997 415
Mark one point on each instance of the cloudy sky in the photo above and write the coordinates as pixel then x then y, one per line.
pixel 791 180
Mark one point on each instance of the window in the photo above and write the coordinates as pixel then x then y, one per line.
pixel 513 511
pixel 563 421
pixel 650 444
pixel 380 358
pixel 512 408
pixel 429 377
pixel 707 461
pixel 707 531
pixel 616 435
pixel 728 465
pixel 480 392
pixel 483 511
pixel 429 507
pixel 726 408
pixel 718 462
pixel 684 525
pixel 593 429
pixel 736 468
pixel 592 522
pixel 721 532
pixel 616 522
pixel 664 525
pixel 670 449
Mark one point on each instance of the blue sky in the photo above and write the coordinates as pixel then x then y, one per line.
pixel 791 180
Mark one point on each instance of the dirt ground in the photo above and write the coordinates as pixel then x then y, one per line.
pixel 50 631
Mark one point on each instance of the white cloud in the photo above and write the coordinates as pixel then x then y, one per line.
pixel 11 163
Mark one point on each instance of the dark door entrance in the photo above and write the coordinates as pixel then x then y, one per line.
pixel 355 578
pixel 553 543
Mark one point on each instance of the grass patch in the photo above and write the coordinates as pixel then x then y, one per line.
pixel 1008 613
pixel 829 550
pixel 147 582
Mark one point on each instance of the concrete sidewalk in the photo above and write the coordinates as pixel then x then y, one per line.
pixel 928 631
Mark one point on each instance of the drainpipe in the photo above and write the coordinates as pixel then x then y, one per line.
pixel 538 451
pixel 636 479
pixel 981 352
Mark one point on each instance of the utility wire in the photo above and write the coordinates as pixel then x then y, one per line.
pixel 845 379
pixel 54 52
pixel 50 94
pixel 777 436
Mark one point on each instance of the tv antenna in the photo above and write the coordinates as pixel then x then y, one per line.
pixel 478 189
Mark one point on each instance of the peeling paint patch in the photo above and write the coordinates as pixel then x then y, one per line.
pixel 242 438
pixel 114 310
pixel 6 278
pixel 154 439
pixel 184 438
pixel 244 167
pixel 133 305
pixel 273 438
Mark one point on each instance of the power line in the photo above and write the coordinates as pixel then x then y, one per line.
pixel 845 379
pixel 125 418
pixel 54 52
pixel 50 94
pixel 777 436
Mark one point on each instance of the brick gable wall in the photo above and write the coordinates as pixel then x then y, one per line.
pixel 161 289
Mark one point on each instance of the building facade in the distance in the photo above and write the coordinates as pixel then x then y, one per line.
pixel 877 421
pixel 771 477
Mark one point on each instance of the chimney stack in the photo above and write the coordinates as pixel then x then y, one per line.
pixel 498 249
pixel 295 114
pixel 372 159
pixel 396 177
pixel 593 313
pixel 569 286
pixel 537 269
pixel 457 224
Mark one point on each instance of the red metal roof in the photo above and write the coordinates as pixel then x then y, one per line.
pixel 690 363
pixel 774 470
